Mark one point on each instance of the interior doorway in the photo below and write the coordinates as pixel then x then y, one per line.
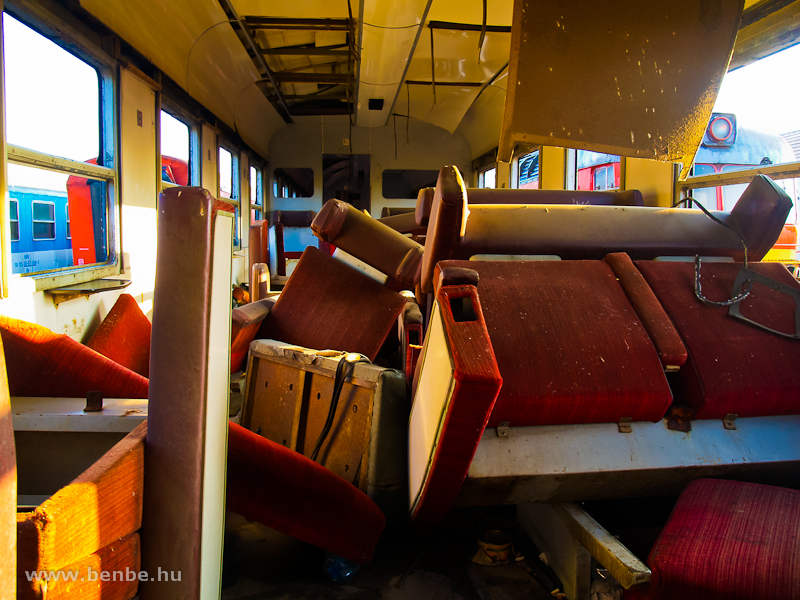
pixel 346 177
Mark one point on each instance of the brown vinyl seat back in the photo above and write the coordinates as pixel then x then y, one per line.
pixel 525 196
pixel 459 231
pixel 369 240
pixel 422 212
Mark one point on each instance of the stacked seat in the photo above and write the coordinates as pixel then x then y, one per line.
pixel 727 540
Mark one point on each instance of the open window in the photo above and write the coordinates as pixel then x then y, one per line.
pixel 256 193
pixel 60 124
pixel 754 128
pixel 179 150
pixel 230 186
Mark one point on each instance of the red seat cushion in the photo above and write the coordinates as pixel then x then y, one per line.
pixel 124 336
pixel 328 305
pixel 568 343
pixel 42 363
pixel 283 489
pixel 733 367
pixel 727 540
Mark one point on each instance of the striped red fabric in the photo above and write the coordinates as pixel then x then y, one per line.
pixel 124 336
pixel 728 540
pixel 665 337
pixel 733 367
pixel 568 344
pixel 329 305
pixel 42 363
pixel 283 489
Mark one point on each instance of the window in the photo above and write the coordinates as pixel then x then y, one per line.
pixel 256 194
pixel 60 114
pixel 528 171
pixel 293 183
pixel 228 162
pixel 177 152
pixel 44 220
pixel 14 218
pixel 406 183
pixel 597 171
pixel 488 178
pixel 604 178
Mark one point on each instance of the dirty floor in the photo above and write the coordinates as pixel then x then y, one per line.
pixel 262 564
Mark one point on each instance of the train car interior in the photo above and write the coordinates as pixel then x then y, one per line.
pixel 430 299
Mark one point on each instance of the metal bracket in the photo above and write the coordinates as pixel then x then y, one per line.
pixel 625 425
pixel 729 421
pixel 747 277
pixel 680 419
pixel 94 401
pixel 503 429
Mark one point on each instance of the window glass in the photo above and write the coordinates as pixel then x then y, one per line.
pixel 53 104
pixel 488 178
pixel 225 173
pixel 44 220
pixel 256 195
pixel 406 183
pixel 52 96
pixel 175 150
pixel 528 171
pixel 293 183
pixel 13 214
pixel 597 171
pixel 755 122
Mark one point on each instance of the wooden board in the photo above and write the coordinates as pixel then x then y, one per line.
pixel 100 506
pixel 117 561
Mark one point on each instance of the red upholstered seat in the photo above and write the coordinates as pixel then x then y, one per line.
pixel 733 367
pixel 728 540
pixel 41 363
pixel 568 343
pixel 328 305
pixel 285 490
pixel 245 322
pixel 124 336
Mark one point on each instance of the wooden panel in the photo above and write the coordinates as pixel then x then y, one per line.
pixel 346 449
pixel 645 95
pixel 623 565
pixel 274 402
pixel 100 506
pixel 117 561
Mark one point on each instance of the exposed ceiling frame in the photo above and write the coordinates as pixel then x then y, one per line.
pixel 468 27
pixel 305 51
pixel 299 24
pixel 258 59
pixel 420 28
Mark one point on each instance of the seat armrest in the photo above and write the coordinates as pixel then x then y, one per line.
pixel 670 347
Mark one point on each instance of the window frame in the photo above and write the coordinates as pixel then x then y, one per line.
pixel 68 232
pixel 35 220
pixel 257 197
pixel 178 113
pixel 71 40
pixel 236 187
pixel 15 202
pixel 482 176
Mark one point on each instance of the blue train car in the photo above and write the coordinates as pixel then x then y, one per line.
pixel 40 230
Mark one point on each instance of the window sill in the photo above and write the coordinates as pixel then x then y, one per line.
pixel 95 286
